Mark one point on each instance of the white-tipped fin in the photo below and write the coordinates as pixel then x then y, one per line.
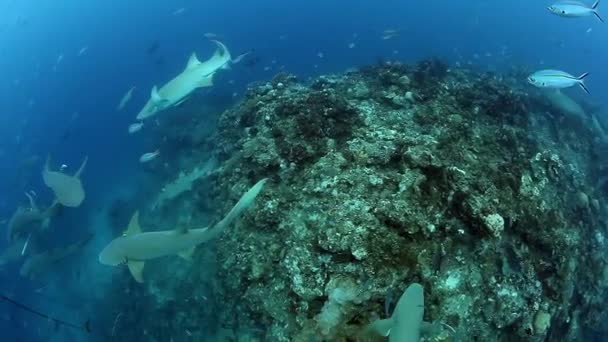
pixel 137 270
pixel 193 62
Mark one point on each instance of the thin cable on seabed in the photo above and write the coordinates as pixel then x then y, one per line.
pixel 86 327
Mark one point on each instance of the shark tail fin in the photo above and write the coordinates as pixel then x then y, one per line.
pixel 82 166
pixel 595 4
pixel 244 203
pixel 222 51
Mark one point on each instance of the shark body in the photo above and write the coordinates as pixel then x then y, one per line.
pixel 67 189
pixel 27 220
pixel 37 264
pixel 196 75
pixel 405 325
pixel 135 247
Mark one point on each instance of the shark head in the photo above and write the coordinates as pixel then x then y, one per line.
pixel 112 254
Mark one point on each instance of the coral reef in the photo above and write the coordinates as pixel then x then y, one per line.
pixel 458 180
pixel 472 184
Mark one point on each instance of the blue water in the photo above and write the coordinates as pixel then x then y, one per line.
pixel 68 109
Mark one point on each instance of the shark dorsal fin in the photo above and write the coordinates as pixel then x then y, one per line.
pixel 193 62
pixel 137 270
pixel 133 227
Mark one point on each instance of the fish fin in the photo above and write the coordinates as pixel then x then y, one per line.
pixel 584 87
pixel 226 66
pixel 181 101
pixel 381 327
pixel 187 253
pixel 133 227
pixel 597 15
pixel 137 270
pixel 81 168
pixel 221 49
pixel 155 96
pixel 193 62
pixel 583 76
pixel 206 81
pixel 181 229
pixel 594 6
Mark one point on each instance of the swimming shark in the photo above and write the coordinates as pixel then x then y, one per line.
pixel 135 247
pixel 196 75
pixel 68 189
pixel 406 323
pixel 28 220
pixel 37 264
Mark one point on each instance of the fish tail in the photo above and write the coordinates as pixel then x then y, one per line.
pixel 581 77
pixel 595 4
pixel 582 85
pixel 598 16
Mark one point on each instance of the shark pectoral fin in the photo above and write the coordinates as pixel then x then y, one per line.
pixel 181 101
pixel 193 62
pixel 381 327
pixel 206 81
pixel 187 253
pixel 137 270
pixel 158 103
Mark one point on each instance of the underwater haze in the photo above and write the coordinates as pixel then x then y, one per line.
pixel 303 170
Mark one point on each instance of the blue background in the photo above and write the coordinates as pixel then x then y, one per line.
pixel 68 109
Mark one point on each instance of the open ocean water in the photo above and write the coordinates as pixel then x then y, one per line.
pixel 66 65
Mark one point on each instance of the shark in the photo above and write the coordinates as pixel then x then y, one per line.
pixel 135 247
pixel 27 220
pixel 196 75
pixel 37 264
pixel 405 325
pixel 68 189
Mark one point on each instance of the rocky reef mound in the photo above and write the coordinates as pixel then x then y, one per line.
pixel 472 184
pixel 475 185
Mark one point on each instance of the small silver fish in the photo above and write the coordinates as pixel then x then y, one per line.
pixel 146 157
pixel 574 9
pixel 556 79
pixel 135 127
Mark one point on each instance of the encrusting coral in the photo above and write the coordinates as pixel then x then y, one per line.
pixel 461 181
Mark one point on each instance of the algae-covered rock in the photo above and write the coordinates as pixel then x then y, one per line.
pixel 393 174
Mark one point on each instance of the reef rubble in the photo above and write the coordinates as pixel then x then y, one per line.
pixel 471 184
